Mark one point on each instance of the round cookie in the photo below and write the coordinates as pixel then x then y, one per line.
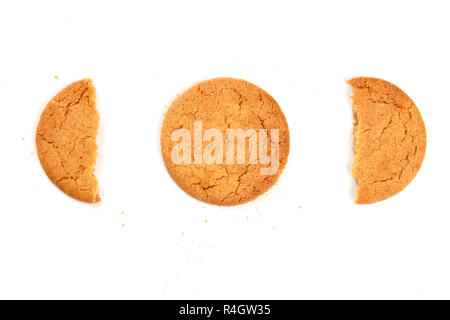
pixel 66 141
pixel 389 139
pixel 223 106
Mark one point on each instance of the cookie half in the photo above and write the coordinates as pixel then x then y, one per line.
pixel 389 139
pixel 211 165
pixel 66 141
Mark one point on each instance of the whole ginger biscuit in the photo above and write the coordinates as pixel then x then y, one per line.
pixel 226 105
pixel 389 139
pixel 66 141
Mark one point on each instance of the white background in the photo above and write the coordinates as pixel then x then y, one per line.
pixel 141 54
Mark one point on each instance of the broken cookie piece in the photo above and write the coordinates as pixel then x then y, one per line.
pixel 66 141
pixel 389 139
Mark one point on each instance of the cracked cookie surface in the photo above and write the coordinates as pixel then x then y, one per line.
pixel 66 141
pixel 222 104
pixel 389 139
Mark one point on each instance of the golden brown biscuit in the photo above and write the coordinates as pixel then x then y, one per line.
pixel 66 141
pixel 227 105
pixel 389 139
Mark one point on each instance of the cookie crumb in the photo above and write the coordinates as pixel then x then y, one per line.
pixel 56 77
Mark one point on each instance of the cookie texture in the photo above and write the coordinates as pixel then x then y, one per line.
pixel 224 104
pixel 389 139
pixel 66 141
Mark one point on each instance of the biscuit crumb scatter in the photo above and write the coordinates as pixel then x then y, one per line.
pixel 182 233
pixel 57 77
pixel 206 221
pixel 389 139
pixel 23 139
pixel 66 141
pixel 299 207
pixel 122 213
pixel 224 104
